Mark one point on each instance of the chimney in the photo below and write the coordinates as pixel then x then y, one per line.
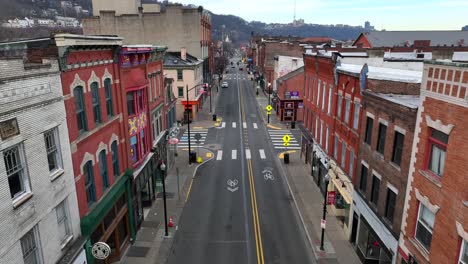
pixel 183 54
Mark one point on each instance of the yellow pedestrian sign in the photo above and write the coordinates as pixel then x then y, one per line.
pixel 286 138
pixel 269 108
pixel 268 112
pixel 286 144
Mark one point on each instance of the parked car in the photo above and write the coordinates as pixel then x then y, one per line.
pixel 224 84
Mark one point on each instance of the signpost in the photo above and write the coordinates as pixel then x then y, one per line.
pixel 268 108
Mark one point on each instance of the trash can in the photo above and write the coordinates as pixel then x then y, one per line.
pixel 286 158
pixel 193 157
pixel 214 117
pixel 293 125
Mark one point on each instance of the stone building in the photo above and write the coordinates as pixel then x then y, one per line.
pixel 39 217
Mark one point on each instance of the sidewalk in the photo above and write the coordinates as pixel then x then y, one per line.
pixel 309 201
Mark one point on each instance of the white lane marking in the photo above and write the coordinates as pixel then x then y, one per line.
pixel 247 154
pixel 219 156
pixel 234 124
pixel 244 125
pixel 255 125
pixel 234 154
pixel 223 124
pixel 262 154
pixel 279 147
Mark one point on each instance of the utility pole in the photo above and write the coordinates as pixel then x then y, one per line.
pixel 188 125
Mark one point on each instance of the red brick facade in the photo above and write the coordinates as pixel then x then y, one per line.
pixel 290 91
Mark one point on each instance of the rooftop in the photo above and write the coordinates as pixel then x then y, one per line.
pixel 407 38
pixel 174 59
pixel 387 74
pixel 410 101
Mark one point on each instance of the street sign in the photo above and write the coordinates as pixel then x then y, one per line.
pixel 268 112
pixel 268 107
pixel 286 144
pixel 173 141
pixel 323 223
pixel 286 138
pixel 331 197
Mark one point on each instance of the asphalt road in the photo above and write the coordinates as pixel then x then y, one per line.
pixel 239 209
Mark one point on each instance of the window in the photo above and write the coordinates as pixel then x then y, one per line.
pixel 30 247
pixel 375 190
pixel 347 109
pixel 397 148
pixel 321 133
pixel 96 102
pixel 324 95
pixel 180 92
pixel 180 75
pixel 89 183
pixel 357 108
pixel 156 124
pixel 363 181
pixel 340 98
pixel 63 221
pixel 326 141
pixel 108 88
pixel 437 146
pixel 351 163
pixel 335 147
pixel 316 128
pixel 115 159
pixel 103 169
pixel 130 104
pixel 425 226
pixel 381 138
pixel 318 92
pixel 53 149
pixel 390 207
pixel 16 171
pixel 464 253
pixel 80 109
pixel 343 154
pixel 369 127
pixel 330 99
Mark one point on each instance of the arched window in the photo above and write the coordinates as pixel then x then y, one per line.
pixel 80 109
pixel 115 159
pixel 104 170
pixel 89 183
pixel 108 88
pixel 96 103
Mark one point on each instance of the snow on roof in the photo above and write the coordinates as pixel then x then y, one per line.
pixel 138 46
pixel 408 56
pixel 460 56
pixel 410 101
pixel 353 54
pixel 388 74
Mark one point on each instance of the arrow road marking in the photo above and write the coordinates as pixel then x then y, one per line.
pixel 219 156
pixel 232 189
pixel 232 183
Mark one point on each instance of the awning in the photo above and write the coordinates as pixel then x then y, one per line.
pixel 346 196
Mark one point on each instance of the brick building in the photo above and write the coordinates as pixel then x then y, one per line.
pixel 91 87
pixel 288 103
pixel 39 219
pixel 434 225
pixel 390 100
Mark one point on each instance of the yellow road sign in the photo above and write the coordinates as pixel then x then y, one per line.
pixel 268 107
pixel 268 112
pixel 209 155
pixel 286 138
pixel 285 144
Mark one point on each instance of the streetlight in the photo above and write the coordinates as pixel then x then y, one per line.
pixel 326 180
pixel 269 103
pixel 188 116
pixel 162 167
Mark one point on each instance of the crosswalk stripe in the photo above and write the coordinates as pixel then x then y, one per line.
pixel 234 124
pixel 247 154
pixel 262 154
pixel 244 125
pixel 223 124
pixel 219 156
pixel 282 147
pixel 255 125
pixel 234 154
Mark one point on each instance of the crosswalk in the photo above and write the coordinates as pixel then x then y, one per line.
pixel 234 125
pixel 183 142
pixel 235 154
pixel 277 139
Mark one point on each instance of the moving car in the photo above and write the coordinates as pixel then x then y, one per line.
pixel 224 84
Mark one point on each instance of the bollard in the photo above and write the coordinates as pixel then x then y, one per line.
pixel 293 125
pixel 286 158
pixel 214 117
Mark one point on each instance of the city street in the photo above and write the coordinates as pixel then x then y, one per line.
pixel 239 209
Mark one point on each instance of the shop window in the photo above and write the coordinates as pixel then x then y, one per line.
pixel 425 226
pixel 370 246
pixel 340 98
pixel 381 138
pixel 156 121
pixel 103 169
pixel 390 206
pixel 180 92
pixel 89 183
pixel 398 148
pixel 437 151
pixel 15 165
pixel 357 109
pixel 108 89
pixel 30 247
pixel 115 159
pixel 369 127
pixel 180 75
pixel 96 103
pixel 130 104
pixel 363 180
pixel 375 190
pixel 347 110
pixel 54 158
pixel 464 253
pixel 80 109
pixel 63 221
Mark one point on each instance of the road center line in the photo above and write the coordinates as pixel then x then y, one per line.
pixel 255 125
pixel 234 154
pixel 234 125
pixel 219 156
pixel 247 154
pixel 244 125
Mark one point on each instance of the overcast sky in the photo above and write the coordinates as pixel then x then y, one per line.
pixel 390 15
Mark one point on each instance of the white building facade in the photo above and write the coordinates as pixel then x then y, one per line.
pixel 39 217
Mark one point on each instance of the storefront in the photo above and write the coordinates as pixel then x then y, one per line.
pixel 290 107
pixel 375 243
pixel 111 221
pixel 319 167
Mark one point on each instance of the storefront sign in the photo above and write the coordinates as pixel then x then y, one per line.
pixel 9 128
pixel 300 105
pixel 294 94
pixel 331 197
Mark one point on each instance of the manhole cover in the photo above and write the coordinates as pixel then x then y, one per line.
pixel 138 252
pixel 169 195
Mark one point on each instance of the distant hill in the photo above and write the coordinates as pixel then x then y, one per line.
pixel 239 29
